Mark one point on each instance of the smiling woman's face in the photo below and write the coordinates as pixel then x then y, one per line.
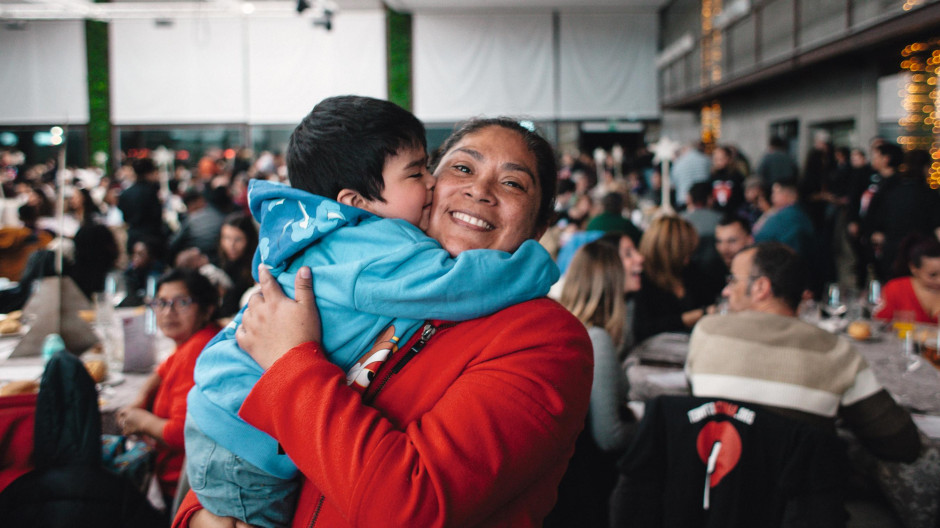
pixel 487 193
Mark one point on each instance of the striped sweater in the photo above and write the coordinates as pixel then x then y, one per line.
pixel 787 365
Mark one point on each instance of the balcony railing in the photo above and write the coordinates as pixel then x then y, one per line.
pixel 754 38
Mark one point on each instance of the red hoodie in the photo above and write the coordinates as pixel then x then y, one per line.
pixel 475 429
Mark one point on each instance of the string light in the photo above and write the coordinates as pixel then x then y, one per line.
pixel 711 124
pixel 921 124
pixel 711 43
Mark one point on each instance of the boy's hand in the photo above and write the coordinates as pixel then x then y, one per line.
pixel 274 323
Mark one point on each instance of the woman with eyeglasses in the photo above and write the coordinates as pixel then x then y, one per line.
pixel 184 305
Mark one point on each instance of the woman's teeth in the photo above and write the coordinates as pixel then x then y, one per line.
pixel 463 217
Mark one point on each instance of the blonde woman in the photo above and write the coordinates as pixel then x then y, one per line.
pixel 599 278
pixel 672 297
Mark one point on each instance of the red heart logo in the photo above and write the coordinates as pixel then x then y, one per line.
pixel 730 453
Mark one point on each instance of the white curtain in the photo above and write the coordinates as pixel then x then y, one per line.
pixel 190 72
pixel 470 65
pixel 293 65
pixel 44 79
pixel 607 66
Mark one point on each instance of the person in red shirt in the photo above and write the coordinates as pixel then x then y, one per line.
pixel 184 305
pixel 919 293
pixel 469 423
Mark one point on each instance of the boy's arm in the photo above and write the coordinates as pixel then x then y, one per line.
pixel 422 281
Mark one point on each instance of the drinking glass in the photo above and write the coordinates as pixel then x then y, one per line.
pixel 910 355
pixel 903 322
pixel 835 305
pixel 115 287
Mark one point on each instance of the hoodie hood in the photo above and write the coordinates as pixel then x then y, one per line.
pixel 291 220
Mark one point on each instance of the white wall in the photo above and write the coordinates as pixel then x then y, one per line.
pixel 470 64
pixel 45 75
pixel 259 70
pixel 242 70
pixel 476 64
pixel 607 66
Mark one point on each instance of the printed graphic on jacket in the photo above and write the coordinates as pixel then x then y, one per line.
pixel 718 443
pixel 361 374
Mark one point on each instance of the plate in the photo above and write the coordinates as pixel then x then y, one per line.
pixel 20 333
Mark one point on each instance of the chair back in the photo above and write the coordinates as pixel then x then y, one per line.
pixel 711 462
pixel 17 419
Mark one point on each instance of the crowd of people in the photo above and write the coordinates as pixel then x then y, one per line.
pixel 398 242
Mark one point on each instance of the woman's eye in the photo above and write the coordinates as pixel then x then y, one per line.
pixel 462 168
pixel 515 184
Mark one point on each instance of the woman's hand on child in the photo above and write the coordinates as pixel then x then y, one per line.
pixel 274 323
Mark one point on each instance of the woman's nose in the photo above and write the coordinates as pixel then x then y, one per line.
pixel 481 190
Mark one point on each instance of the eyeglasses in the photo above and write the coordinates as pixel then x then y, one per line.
pixel 176 303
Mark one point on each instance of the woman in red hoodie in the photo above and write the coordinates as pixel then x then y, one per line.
pixel 468 424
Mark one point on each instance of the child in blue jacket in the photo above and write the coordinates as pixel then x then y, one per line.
pixel 376 275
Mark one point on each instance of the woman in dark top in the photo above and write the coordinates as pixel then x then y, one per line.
pixel 671 298
pixel 237 243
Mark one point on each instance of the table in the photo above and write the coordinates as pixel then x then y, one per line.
pixel 119 390
pixel 655 366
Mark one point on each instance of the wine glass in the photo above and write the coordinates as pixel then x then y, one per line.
pixel 835 305
pixel 115 287
pixel 912 360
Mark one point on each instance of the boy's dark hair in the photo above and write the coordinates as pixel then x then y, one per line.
pixel 537 145
pixel 785 270
pixel 343 143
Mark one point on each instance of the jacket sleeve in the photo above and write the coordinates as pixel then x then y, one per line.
pixel 883 427
pixel 422 281
pixel 496 431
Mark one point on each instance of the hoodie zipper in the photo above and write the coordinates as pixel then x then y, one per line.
pixel 427 332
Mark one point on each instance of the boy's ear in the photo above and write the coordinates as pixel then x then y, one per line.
pixel 350 197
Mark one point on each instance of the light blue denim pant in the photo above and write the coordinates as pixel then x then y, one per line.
pixel 231 487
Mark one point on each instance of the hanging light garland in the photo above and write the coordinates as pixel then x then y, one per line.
pixel 711 43
pixel 711 71
pixel 921 126
pixel 711 124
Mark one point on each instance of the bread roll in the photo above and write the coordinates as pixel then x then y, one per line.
pixel 10 326
pixel 98 369
pixel 860 330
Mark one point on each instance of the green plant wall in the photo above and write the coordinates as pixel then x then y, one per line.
pixel 399 58
pixel 99 98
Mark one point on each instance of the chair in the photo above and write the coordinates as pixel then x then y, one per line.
pixel 69 485
pixel 708 462
pixel 16 245
pixel 17 419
